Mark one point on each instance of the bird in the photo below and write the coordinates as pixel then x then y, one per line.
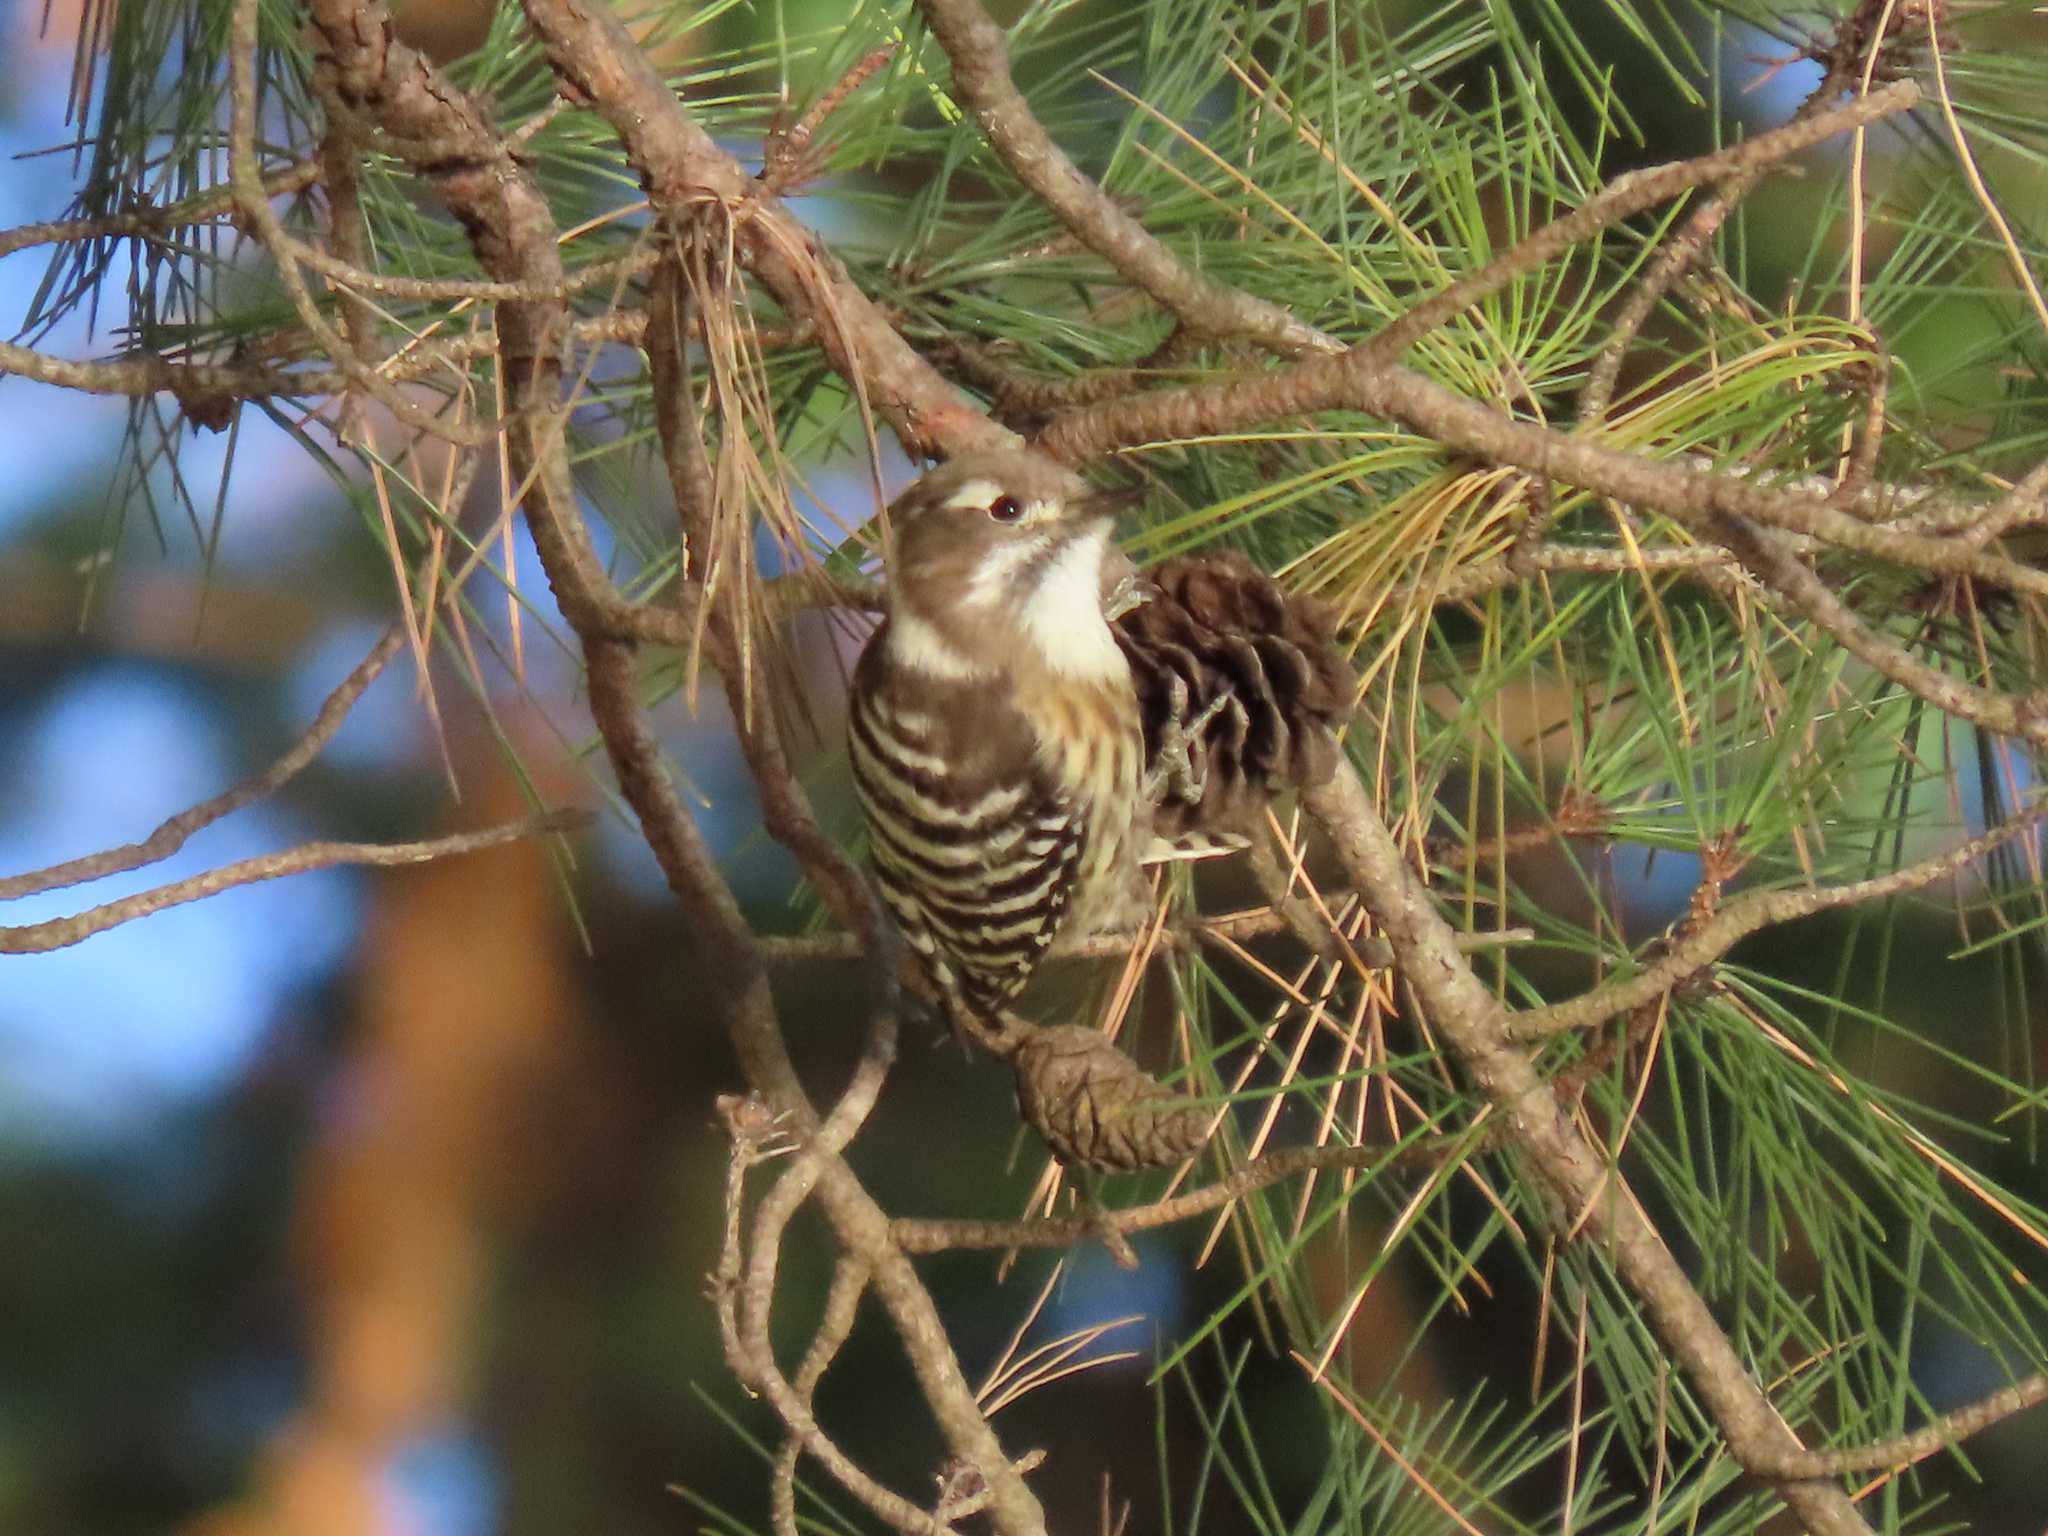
pixel 1034 720
pixel 994 732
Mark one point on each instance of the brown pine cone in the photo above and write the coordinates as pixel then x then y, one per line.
pixel 1096 1107
pixel 1215 627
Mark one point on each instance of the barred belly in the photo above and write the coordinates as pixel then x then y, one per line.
pixel 979 875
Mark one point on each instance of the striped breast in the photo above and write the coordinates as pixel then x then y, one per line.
pixel 1089 743
pixel 977 849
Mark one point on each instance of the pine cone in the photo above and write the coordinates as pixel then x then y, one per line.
pixel 1217 627
pixel 1096 1107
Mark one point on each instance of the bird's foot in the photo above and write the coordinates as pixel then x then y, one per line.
pixel 1178 770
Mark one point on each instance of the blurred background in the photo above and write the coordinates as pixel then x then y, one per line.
pixel 366 1202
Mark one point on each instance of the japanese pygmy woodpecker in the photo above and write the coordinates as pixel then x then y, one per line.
pixel 994 726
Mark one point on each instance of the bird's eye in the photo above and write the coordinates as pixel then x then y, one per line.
pixel 1006 509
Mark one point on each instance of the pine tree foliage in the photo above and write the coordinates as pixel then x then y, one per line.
pixel 1602 753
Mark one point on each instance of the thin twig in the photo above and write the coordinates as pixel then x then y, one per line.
pixel 1941 1435
pixel 758 1136
pixel 253 204
pixel 1689 953
pixel 788 151
pixel 512 230
pixel 149 373
pixel 1685 246
pixel 150 223
pixel 981 78
pixel 842 1304
pixel 1764 555
pixel 1674 258
pixel 1464 1013
pixel 61 932
pixel 1693 497
pixel 942 1235
pixel 1702 562
pixel 1625 196
pixel 461 290
pixel 169 837
pixel 2024 505
pixel 683 167
pixel 785 808
pixel 958 1506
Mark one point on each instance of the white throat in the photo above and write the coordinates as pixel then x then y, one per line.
pixel 1062 615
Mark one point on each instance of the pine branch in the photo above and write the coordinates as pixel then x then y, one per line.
pixel 512 232
pixel 981 78
pixel 1691 953
pixel 1477 500
pixel 1594 1201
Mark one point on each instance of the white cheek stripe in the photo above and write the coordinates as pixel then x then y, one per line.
pixel 915 645
pixel 994 582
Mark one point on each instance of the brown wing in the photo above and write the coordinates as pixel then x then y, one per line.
pixel 975 850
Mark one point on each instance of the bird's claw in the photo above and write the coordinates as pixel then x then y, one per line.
pixel 1178 771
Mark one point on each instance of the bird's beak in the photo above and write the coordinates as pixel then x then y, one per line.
pixel 1103 506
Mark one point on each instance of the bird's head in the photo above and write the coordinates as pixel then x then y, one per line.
pixel 1002 560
